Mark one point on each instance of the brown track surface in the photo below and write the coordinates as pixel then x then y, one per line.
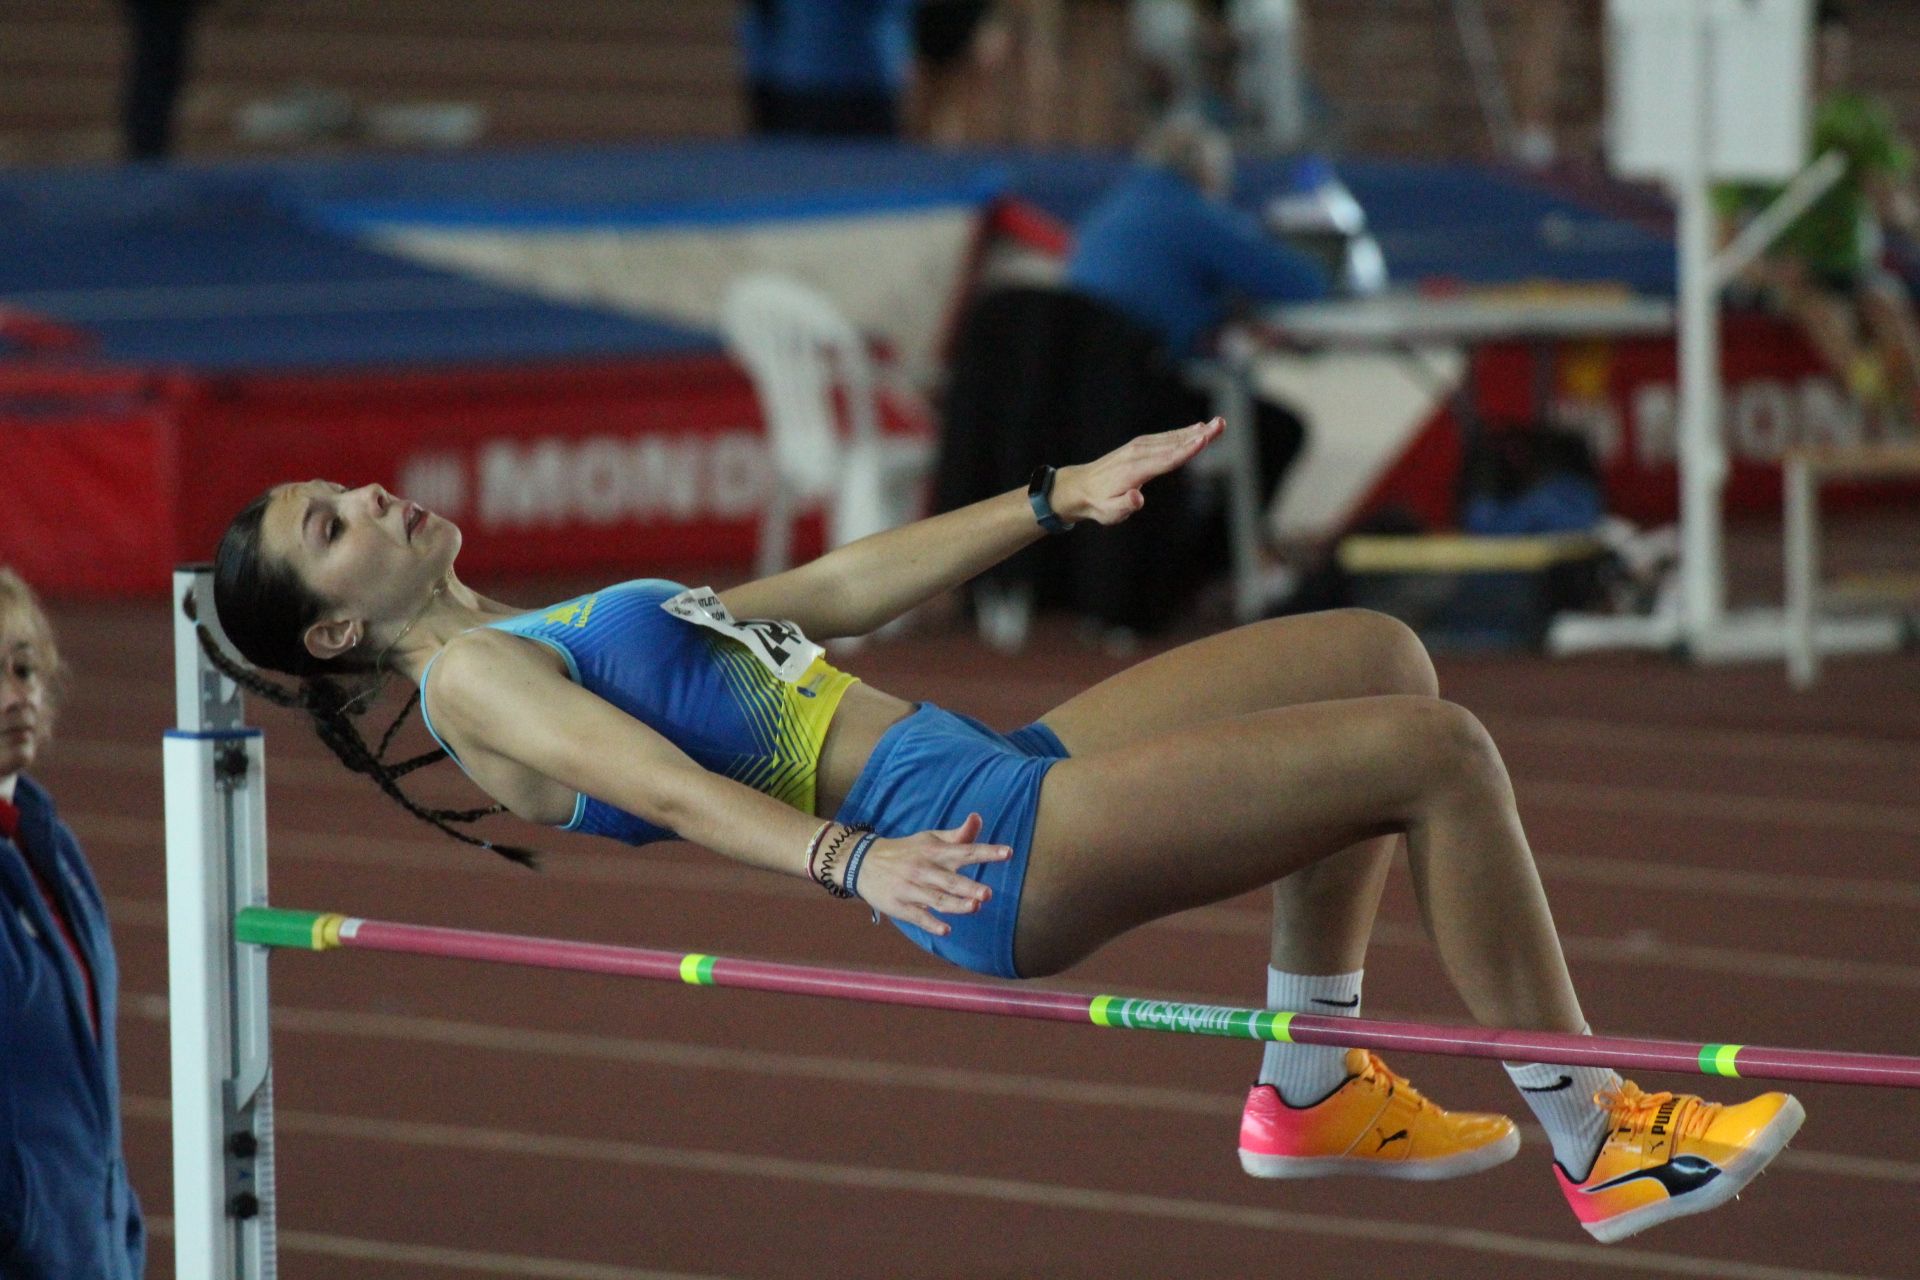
pixel 441 1119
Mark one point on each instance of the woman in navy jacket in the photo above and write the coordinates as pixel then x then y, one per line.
pixel 66 1209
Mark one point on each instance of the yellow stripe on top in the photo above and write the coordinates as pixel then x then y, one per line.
pixel 790 721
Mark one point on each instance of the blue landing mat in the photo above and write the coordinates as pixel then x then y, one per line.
pixel 259 265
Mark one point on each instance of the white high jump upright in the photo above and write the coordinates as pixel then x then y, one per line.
pixel 1699 92
pixel 223 1189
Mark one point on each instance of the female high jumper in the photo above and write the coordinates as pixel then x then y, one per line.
pixel 1295 753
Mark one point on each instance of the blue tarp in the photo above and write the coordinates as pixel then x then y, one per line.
pixel 263 264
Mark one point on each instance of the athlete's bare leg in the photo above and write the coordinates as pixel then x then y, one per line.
pixel 1207 812
pixel 1323 913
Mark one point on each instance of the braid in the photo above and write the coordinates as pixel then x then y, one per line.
pixel 421 761
pixel 386 739
pixel 326 704
pixel 425 758
pixel 251 681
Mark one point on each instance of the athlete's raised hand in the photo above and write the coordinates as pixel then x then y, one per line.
pixel 1107 490
pixel 915 877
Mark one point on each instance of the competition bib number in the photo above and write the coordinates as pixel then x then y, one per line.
pixel 779 646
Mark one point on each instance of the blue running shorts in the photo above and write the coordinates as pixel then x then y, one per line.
pixel 927 773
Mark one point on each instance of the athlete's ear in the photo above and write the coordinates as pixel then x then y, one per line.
pixel 328 638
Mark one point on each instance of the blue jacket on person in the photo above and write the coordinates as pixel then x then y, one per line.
pixel 67 1211
pixel 1164 253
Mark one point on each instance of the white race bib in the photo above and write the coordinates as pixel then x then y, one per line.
pixel 779 646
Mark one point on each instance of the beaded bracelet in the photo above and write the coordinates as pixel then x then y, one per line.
pixel 813 845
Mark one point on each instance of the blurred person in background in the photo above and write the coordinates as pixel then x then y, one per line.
pixel 1064 72
pixel 159 43
pixel 67 1210
pixel 960 47
pixel 1177 47
pixel 1542 39
pixel 1238 62
pixel 827 68
pixel 1824 271
pixel 1167 249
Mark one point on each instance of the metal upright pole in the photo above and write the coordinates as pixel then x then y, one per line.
pixel 223 1220
pixel 1702 444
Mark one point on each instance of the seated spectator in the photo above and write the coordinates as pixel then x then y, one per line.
pixel 1167 249
pixel 1825 271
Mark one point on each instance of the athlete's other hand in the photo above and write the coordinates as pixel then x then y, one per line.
pixel 1107 490
pixel 914 877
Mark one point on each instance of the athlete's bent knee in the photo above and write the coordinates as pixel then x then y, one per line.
pixel 1396 658
pixel 1456 750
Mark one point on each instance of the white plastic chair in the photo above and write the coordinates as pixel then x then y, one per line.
pixel 818 390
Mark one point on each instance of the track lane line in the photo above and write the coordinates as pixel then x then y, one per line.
pixel 358 1249
pixel 414 1029
pixel 582 863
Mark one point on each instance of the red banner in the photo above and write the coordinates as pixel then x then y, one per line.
pixel 610 468
pixel 1624 397
pixel 544 470
pixel 89 500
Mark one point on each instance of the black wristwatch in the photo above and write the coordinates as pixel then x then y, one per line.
pixel 1040 498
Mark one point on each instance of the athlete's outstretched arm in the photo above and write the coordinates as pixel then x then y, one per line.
pixel 866 584
pixel 493 693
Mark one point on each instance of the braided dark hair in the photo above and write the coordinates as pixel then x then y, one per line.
pixel 265 608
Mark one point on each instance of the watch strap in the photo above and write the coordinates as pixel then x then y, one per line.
pixel 1040 498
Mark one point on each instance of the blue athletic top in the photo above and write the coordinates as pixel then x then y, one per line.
pixel 701 689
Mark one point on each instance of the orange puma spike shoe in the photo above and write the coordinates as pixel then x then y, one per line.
pixel 1669 1154
pixel 1375 1125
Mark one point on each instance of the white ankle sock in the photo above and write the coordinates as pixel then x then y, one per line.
pixel 1562 1099
pixel 1306 1073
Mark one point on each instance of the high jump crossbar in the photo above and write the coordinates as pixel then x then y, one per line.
pixel 319 931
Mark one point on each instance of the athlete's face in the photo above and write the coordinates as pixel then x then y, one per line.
pixel 25 717
pixel 377 557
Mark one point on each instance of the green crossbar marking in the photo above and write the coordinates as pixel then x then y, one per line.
pixel 273 927
pixel 1281 1028
pixel 697 970
pixel 1720 1060
pixel 1193 1019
